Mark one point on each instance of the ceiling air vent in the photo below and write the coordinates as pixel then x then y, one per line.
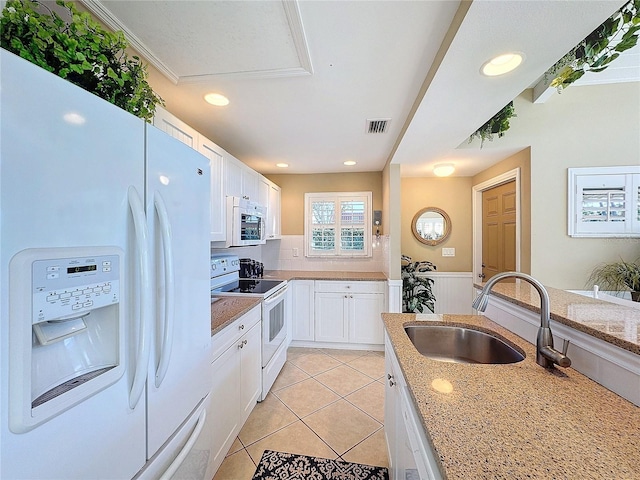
pixel 377 125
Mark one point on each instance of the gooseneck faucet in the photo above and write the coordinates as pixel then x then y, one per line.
pixel 546 355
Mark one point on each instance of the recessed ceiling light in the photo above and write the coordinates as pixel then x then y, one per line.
pixel 282 165
pixel 216 99
pixel 444 169
pixel 348 163
pixel 502 64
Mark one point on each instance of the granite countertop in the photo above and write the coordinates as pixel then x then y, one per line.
pixel 324 275
pixel 227 309
pixel 615 324
pixel 517 420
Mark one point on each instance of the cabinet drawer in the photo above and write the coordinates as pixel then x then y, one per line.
pixel 350 287
pixel 232 332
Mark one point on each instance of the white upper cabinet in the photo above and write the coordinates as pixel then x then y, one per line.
pixel 218 207
pixel 232 176
pixel 241 181
pixel 273 216
pixel 229 177
pixel 175 127
pixel 269 196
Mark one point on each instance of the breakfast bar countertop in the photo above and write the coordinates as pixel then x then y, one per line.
pixel 324 275
pixel 610 322
pixel 224 310
pixel 517 420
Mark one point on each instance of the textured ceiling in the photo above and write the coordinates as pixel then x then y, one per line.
pixel 304 77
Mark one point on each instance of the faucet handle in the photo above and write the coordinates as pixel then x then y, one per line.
pixel 565 346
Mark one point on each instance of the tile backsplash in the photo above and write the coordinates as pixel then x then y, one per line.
pixel 279 255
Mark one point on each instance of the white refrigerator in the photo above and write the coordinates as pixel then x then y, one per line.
pixel 105 311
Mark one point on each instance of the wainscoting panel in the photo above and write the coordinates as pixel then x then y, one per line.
pixel 453 291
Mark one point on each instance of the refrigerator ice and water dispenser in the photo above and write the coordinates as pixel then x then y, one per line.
pixel 66 332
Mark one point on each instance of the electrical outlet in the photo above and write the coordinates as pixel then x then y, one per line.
pixel 296 253
pixel 448 252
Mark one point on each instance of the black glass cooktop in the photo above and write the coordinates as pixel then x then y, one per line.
pixel 252 285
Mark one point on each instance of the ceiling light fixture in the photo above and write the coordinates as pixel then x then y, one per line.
pixel 348 163
pixel 216 99
pixel 444 169
pixel 282 165
pixel 502 64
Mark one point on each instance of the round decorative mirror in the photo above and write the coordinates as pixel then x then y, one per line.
pixel 431 226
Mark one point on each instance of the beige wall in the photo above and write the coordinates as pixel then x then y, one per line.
pixel 295 186
pixel 521 160
pixel 453 195
pixel 585 126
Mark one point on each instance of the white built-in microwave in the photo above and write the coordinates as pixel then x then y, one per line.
pixel 246 223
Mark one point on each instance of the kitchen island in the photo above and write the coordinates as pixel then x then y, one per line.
pixel 516 420
pixel 615 324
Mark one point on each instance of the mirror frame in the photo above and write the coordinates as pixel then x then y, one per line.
pixel 447 226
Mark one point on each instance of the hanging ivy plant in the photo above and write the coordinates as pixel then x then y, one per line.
pixel 496 125
pixel 80 51
pixel 601 47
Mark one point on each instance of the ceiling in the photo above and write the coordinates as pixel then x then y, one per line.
pixel 304 78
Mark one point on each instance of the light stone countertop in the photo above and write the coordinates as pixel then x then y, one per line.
pixel 227 309
pixel 517 420
pixel 612 323
pixel 323 275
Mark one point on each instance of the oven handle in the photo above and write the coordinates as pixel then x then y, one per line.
pixel 276 298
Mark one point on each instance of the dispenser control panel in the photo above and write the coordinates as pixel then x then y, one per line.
pixel 65 288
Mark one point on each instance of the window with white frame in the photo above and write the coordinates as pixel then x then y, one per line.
pixel 337 224
pixel 604 201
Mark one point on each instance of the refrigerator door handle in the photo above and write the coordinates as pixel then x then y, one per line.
pixel 187 447
pixel 169 294
pixel 142 243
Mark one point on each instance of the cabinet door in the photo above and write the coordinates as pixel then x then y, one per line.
pixel 331 322
pixel 302 310
pixel 218 205
pixel 225 402
pixel 175 127
pixel 273 219
pixel 232 177
pixel 250 184
pixel 365 323
pixel 390 418
pixel 263 194
pixel 250 370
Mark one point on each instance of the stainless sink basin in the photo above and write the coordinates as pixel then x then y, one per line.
pixel 461 345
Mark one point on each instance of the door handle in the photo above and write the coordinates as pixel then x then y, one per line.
pixel 146 303
pixel 169 293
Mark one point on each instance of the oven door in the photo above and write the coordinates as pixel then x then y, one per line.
pixel 274 329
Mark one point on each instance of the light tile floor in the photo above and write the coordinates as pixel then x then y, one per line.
pixel 325 403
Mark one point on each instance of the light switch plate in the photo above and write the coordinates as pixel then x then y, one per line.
pixel 295 252
pixel 448 252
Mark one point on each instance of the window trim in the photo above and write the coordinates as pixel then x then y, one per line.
pixel 611 178
pixel 337 197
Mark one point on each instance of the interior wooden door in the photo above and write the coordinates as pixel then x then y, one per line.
pixel 499 229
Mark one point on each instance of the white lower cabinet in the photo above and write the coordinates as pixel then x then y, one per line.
pixel 349 312
pixel 410 455
pixel 237 380
pixel 302 314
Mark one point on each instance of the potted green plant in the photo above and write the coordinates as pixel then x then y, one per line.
pixel 417 296
pixel 618 277
pixel 79 50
